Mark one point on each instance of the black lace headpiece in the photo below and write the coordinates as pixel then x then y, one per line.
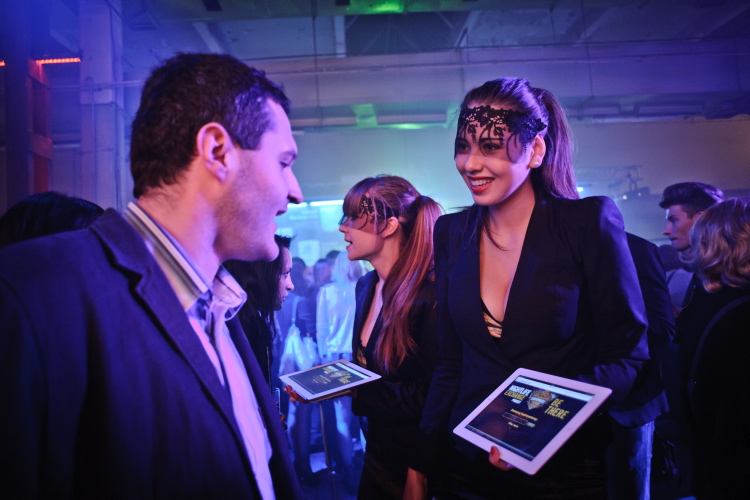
pixel 492 122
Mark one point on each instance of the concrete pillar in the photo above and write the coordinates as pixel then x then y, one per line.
pixel 17 180
pixel 104 178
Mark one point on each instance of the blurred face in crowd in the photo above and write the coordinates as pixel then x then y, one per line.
pixel 678 227
pixel 285 280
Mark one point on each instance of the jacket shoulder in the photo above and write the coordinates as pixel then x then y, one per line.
pixel 364 281
pixel 583 205
pixel 451 224
pixel 584 213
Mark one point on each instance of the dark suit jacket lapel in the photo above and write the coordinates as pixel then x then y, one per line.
pixel 463 283
pixel 130 253
pixel 536 245
pixel 463 280
pixel 364 300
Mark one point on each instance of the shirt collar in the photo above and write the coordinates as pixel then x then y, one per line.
pixel 223 293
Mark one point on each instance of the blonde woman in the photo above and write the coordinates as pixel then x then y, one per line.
pixel 714 339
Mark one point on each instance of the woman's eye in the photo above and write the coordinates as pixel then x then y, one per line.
pixel 461 148
pixel 490 147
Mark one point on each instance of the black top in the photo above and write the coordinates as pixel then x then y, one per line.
pixel 397 399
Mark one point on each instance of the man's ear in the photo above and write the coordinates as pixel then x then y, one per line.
pixel 213 143
pixel 391 226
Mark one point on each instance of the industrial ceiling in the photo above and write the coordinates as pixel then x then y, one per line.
pixel 376 63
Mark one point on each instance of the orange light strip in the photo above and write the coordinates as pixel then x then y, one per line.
pixel 59 61
pixel 63 60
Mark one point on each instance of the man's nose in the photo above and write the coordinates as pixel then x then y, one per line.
pixel 295 192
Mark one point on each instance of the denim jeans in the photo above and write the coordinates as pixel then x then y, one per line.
pixel 629 462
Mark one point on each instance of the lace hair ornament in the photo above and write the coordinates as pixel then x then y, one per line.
pixel 368 208
pixel 492 122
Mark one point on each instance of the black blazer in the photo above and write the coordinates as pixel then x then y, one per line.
pixel 396 400
pixel 574 310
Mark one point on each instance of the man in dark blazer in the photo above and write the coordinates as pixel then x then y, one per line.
pixel 629 454
pixel 123 372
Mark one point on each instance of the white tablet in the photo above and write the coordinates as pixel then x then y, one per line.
pixel 324 381
pixel 530 416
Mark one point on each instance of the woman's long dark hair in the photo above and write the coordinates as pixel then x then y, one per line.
pixel 394 196
pixel 260 280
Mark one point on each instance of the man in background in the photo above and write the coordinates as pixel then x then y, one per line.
pixel 684 203
pixel 124 372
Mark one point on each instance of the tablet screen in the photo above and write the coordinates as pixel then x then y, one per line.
pixel 530 416
pixel 327 379
pixel 527 415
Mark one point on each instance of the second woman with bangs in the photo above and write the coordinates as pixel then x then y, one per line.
pixel 389 224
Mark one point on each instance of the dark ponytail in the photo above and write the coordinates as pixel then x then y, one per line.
pixel 555 175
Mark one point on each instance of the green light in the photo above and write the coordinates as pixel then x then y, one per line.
pixel 387 7
pixel 413 126
pixel 409 126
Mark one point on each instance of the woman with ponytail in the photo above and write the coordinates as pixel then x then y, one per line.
pixel 528 276
pixel 387 223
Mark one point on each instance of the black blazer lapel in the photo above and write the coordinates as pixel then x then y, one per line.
pixel 365 293
pixel 465 298
pixel 537 246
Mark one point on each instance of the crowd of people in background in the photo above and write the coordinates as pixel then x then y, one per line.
pixel 141 352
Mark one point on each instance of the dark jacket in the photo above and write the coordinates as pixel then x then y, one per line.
pixel 393 404
pixel 106 389
pixel 647 400
pixel 721 436
pixel 574 310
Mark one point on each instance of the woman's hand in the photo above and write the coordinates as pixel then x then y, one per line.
pixel 416 486
pixel 497 461
pixel 293 396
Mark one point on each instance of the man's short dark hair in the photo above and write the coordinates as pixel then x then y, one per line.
pixel 693 196
pixel 182 95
